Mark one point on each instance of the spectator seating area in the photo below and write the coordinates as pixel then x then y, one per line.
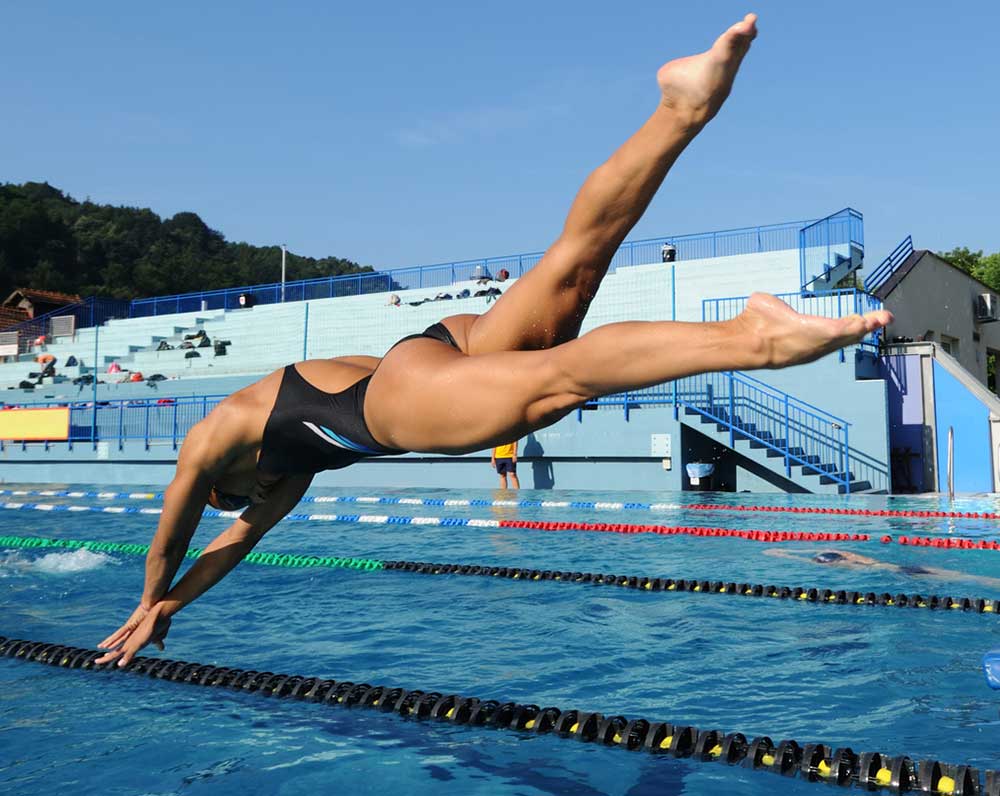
pixel 267 337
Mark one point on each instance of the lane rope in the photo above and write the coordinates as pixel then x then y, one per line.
pixel 814 762
pixel 795 594
pixel 548 504
pixel 457 522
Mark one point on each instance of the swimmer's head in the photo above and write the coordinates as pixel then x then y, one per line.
pixel 829 557
pixel 224 501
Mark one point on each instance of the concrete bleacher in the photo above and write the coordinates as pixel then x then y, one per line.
pixel 269 336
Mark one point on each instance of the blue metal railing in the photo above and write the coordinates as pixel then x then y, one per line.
pixel 151 420
pixel 722 243
pixel 835 304
pixel 818 241
pixel 92 311
pixel 801 433
pixel 880 275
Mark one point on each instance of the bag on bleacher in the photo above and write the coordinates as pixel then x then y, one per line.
pixel 192 355
pixel 71 361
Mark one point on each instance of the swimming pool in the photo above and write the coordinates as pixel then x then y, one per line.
pixel 898 681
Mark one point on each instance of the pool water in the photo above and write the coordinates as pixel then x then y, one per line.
pixel 898 681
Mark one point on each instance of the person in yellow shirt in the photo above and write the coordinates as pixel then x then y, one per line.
pixel 504 460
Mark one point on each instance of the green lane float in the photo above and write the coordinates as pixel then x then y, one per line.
pixel 268 559
pixel 796 594
pixel 811 762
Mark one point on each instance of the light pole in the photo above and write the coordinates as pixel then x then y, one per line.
pixel 283 251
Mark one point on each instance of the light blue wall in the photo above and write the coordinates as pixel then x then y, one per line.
pixel 956 407
pixel 602 451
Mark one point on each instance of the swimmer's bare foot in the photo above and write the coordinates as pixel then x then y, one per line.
pixel 779 336
pixel 695 87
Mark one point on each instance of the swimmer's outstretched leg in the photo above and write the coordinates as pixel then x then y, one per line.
pixel 546 306
pixel 430 398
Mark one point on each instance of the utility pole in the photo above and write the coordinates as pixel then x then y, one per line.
pixel 283 252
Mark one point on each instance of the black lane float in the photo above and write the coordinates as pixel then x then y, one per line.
pixel 797 594
pixel 812 762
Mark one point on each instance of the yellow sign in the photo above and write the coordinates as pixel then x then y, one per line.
pixel 35 424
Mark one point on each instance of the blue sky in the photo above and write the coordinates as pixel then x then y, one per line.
pixel 398 133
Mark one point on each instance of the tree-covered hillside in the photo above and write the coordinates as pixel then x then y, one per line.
pixel 50 241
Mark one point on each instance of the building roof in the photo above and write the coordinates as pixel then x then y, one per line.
pixel 44 296
pixel 11 316
pixel 883 290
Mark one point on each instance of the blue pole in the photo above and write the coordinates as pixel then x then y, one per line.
pixel 93 423
pixel 788 442
pixel 305 333
pixel 847 461
pixel 732 411
pixel 673 317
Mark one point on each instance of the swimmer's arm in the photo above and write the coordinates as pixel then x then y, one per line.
pixel 200 459
pixel 231 546
pixel 777 552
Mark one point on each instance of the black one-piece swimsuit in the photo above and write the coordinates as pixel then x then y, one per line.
pixel 310 430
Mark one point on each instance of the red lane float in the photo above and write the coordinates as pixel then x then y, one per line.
pixel 971 515
pixel 686 530
pixel 951 542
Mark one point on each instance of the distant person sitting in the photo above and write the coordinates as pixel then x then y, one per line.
pixel 668 253
pixel 49 370
pixel 504 461
pixel 114 367
pixel 394 300
pixel 503 275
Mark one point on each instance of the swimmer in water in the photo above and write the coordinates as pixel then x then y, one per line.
pixel 848 560
pixel 472 382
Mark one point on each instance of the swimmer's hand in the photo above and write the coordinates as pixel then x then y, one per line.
pixel 142 628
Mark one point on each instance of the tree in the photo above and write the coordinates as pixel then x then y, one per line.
pixel 48 240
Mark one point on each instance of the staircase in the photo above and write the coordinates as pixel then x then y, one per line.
pixel 830 250
pixel 795 441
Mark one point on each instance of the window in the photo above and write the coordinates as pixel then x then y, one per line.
pixel 950 344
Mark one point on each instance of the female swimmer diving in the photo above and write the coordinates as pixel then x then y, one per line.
pixel 471 382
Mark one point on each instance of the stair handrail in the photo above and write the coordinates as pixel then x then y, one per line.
pixel 820 413
pixel 836 445
pixel 855 236
pixel 885 269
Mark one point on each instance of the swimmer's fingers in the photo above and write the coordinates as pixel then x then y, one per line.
pixel 108 657
pixel 123 632
pixel 152 630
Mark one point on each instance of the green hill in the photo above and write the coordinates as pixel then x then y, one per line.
pixel 49 240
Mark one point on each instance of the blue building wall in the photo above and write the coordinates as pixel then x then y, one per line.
pixel 955 407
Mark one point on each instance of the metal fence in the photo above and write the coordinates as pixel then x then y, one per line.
pixel 818 240
pixel 93 311
pixel 881 273
pixel 834 304
pixel 723 243
pixel 151 420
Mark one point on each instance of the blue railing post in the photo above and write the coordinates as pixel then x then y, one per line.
pixel 93 423
pixel 847 461
pixel 305 333
pixel 121 425
pixel 175 426
pixel 626 406
pixel 732 411
pixel 146 435
pixel 788 441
